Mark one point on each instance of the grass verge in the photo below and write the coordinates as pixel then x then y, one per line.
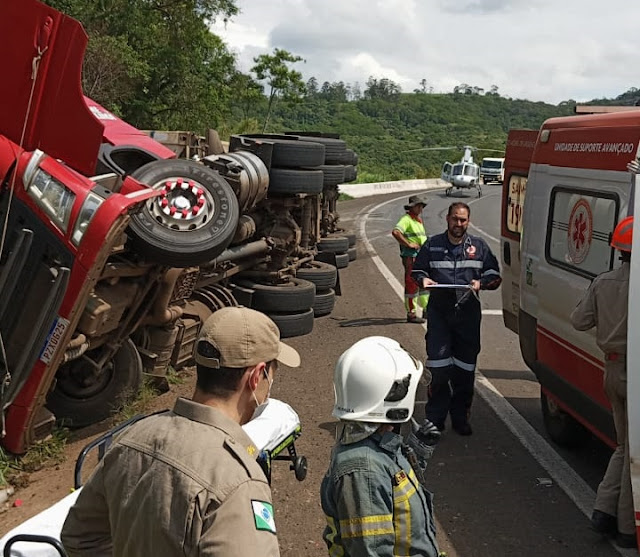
pixel 13 469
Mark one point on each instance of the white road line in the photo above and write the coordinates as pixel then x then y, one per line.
pixel 564 476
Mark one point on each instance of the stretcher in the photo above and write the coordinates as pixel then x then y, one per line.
pixel 274 432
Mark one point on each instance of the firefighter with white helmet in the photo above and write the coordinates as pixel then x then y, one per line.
pixel 373 502
pixel 604 306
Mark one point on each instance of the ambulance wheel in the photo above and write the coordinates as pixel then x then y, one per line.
pixel 194 219
pixel 563 429
pixel 299 468
pixel 83 396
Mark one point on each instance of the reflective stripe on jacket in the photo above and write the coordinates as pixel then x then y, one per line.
pixel 374 504
pixel 413 230
pixel 447 263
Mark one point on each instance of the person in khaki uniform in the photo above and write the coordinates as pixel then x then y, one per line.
pixel 604 306
pixel 186 482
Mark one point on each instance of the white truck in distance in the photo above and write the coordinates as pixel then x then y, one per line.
pixel 492 170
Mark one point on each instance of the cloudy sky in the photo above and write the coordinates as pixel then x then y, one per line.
pixel 542 50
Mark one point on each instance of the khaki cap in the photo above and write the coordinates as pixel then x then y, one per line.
pixel 244 337
pixel 415 200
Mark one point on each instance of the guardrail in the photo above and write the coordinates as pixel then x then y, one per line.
pixel 377 188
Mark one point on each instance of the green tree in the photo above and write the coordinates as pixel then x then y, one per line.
pixel 174 71
pixel 282 80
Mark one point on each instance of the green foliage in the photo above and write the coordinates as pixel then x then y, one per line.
pixel 283 81
pixel 155 63
pixel 42 453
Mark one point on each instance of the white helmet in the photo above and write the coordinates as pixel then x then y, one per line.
pixel 375 381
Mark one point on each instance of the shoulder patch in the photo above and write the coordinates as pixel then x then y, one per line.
pixel 400 477
pixel 263 516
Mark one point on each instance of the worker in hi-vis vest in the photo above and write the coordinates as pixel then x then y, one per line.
pixel 410 234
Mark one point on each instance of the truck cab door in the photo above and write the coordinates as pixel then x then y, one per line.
pixel 446 172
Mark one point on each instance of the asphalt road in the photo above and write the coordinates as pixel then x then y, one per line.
pixel 505 491
pixel 492 494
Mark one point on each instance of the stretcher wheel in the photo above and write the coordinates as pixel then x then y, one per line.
pixel 299 467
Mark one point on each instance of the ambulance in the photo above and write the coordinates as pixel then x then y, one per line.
pixel 566 187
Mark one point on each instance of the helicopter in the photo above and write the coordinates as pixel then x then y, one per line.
pixel 464 174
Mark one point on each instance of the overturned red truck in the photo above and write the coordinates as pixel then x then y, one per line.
pixel 113 251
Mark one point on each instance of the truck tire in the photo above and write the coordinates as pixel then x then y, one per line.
pixel 295 295
pixel 323 275
pixel 333 174
pixel 349 157
pixel 350 173
pixel 352 253
pixel 351 236
pixel 341 260
pixel 293 324
pixel 563 429
pixel 291 153
pixel 334 244
pixel 293 181
pixel 181 241
pixel 334 148
pixel 325 301
pixel 77 404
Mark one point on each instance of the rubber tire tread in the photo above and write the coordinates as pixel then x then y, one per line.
pixel 334 148
pixel 352 253
pixel 325 302
pixel 333 174
pixel 163 245
pixel 323 275
pixel 288 299
pixel 293 324
pixel 335 244
pixel 342 259
pixel 293 181
pixel 80 412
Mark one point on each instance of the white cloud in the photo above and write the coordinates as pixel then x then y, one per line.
pixel 536 49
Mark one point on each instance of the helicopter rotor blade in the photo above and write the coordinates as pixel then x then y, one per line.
pixel 433 149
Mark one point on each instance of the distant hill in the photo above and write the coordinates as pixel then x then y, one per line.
pixel 386 132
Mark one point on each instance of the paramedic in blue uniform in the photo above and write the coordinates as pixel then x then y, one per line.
pixel 454 315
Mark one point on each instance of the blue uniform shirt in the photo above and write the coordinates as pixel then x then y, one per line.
pixel 447 263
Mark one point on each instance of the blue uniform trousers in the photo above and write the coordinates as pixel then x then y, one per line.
pixel 453 345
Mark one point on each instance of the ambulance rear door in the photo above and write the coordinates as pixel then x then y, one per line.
pixel 520 145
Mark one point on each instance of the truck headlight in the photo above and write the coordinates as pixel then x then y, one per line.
pixel 52 196
pixel 87 211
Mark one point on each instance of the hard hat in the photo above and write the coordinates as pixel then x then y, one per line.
pixel 622 235
pixel 375 381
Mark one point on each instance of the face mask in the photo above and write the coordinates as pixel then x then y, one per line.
pixel 261 406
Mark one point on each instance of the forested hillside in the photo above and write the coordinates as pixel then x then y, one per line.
pixel 156 64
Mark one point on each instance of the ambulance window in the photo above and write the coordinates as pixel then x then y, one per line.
pixel 515 202
pixel 579 229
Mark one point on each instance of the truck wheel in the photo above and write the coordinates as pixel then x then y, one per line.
pixel 341 260
pixel 293 181
pixel 334 148
pixel 333 174
pixel 293 324
pixel 563 429
pixel 291 153
pixel 335 244
pixel 292 296
pixel 81 397
pixel 192 222
pixel 325 301
pixel 323 275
